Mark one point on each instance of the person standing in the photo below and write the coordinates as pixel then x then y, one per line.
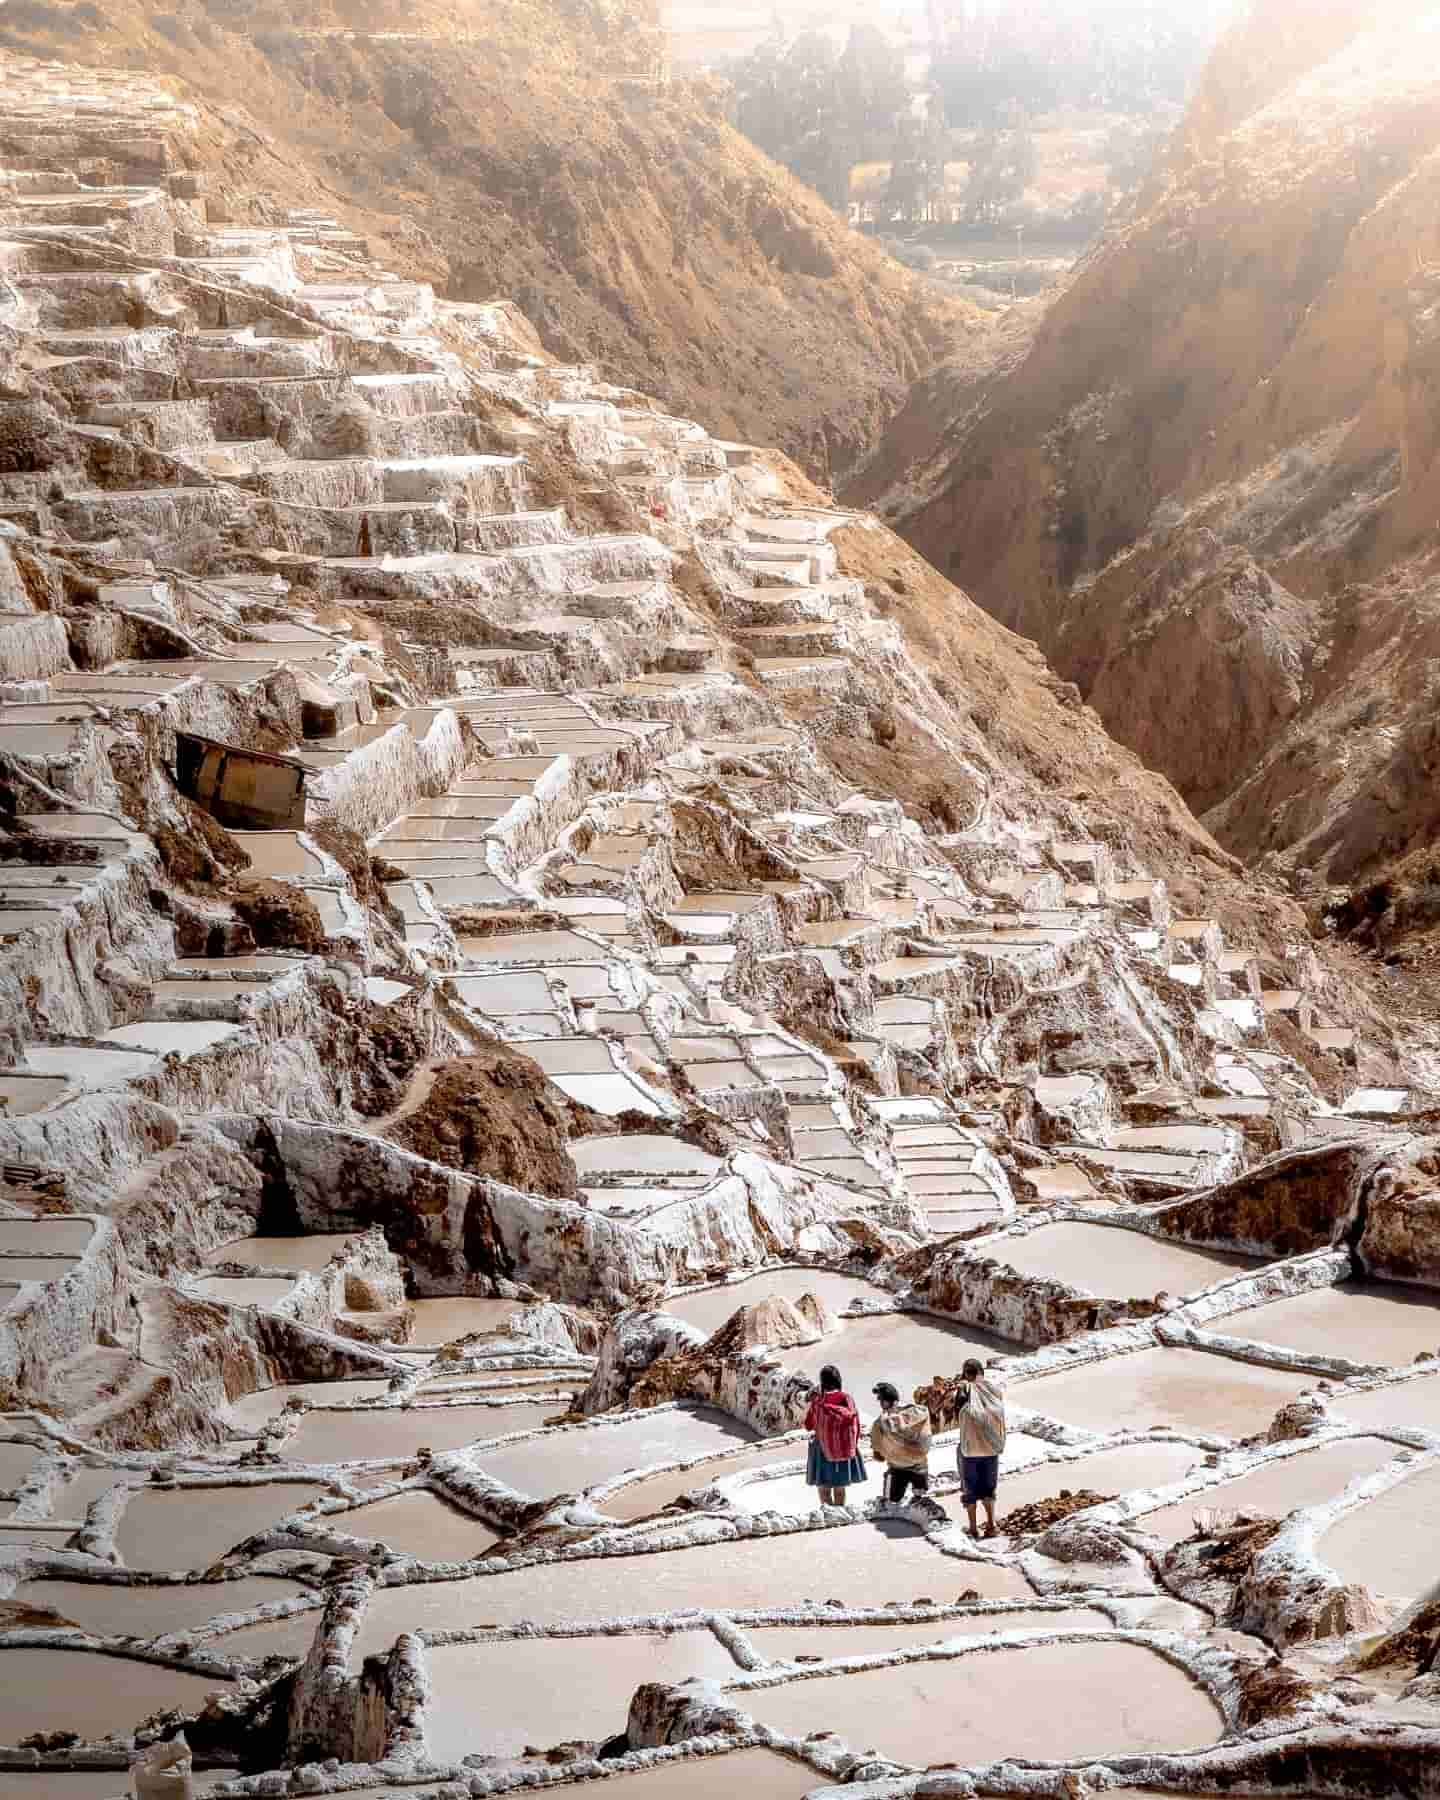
pixel 834 1422
pixel 900 1438
pixel 982 1441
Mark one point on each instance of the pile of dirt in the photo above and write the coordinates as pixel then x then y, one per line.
pixel 1039 1515
pixel 1227 1554
pixel 525 149
pixel 496 1113
pixel 1416 1647
pixel 1203 478
pixel 279 916
pixel 1272 1692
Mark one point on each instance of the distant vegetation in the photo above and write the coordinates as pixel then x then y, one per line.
pixel 998 71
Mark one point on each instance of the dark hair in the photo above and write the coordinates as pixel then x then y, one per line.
pixel 973 1371
pixel 829 1379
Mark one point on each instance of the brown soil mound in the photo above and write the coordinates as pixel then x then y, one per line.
pixel 1039 1515
pixel 281 917
pixel 1415 1647
pixel 495 1113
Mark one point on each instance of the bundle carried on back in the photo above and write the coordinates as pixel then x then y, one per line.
pixel 982 1420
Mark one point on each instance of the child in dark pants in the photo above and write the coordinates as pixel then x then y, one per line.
pixel 900 1438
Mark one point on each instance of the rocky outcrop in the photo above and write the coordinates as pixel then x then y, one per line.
pixel 1288 1205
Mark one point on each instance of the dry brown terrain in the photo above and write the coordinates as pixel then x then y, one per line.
pixel 1203 479
pixel 504 151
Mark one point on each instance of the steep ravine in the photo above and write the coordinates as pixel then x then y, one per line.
pixel 1202 479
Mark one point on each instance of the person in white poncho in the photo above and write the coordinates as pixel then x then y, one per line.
pixel 982 1441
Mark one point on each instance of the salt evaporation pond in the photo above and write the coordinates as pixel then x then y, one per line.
pixel 1186 1388
pixel 1415 1403
pixel 1364 1322
pixel 80 1690
pixel 1056 1702
pixel 243 1290
pixel 784 1643
pixel 857 1565
pixel 763 1773
pixel 1108 1260
pixel 422 1525
pixel 1278 1488
pixel 256 1410
pixel 442 1321
pixel 45 1237
pixel 906 1348
pixel 109 1609
pixel 306 1253
pixel 1388 1544
pixel 566 1461
pixel 189 1528
pixel 290 1636
pixel 543 1691
pixel 72 1499
pixel 381 1433
pixel 16 1462
pixel 651 1493
pixel 709 1308
pixel 1119 1471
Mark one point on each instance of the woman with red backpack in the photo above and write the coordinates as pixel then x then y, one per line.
pixel 834 1422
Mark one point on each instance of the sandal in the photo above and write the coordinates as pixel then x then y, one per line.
pixel 971 1532
pixel 989 1532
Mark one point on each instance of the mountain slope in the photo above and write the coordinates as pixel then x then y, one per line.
pixel 1204 482
pixel 523 151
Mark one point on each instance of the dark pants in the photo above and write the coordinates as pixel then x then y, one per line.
pixel 898 1481
pixel 979 1476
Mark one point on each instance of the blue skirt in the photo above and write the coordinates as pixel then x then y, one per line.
pixel 821 1472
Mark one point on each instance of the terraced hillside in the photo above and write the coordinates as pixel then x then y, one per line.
pixel 525 929
pixel 525 149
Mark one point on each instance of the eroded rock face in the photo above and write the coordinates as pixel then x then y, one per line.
pixel 1401 1235
pixel 1288 1205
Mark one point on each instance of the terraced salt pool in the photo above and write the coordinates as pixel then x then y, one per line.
pixel 1388 1545
pixel 1364 1322
pixel 188 1528
pixel 1415 1403
pixel 1111 1261
pixel 111 1609
pixel 708 1308
pixel 442 1321
pixel 422 1525
pixel 1182 1388
pixel 305 1253
pixel 1118 1471
pixel 1278 1488
pixel 79 1690
pixel 1063 1701
pixel 566 1461
pixel 650 1494
pixel 389 1432
pixel 785 1643
pixel 256 1410
pixel 857 1565
pixel 543 1691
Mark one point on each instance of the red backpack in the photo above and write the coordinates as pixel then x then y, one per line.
pixel 836 1424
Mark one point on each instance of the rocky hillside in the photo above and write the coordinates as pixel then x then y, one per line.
pixel 525 152
pixel 1203 478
